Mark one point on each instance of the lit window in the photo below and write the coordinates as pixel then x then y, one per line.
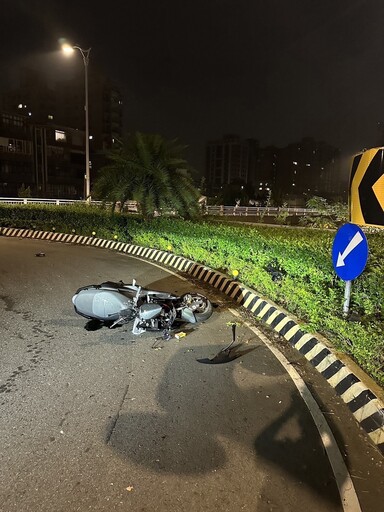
pixel 59 135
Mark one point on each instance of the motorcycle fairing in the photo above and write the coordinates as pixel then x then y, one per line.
pixel 188 315
pixel 105 305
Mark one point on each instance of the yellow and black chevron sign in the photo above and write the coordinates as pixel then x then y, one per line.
pixel 366 199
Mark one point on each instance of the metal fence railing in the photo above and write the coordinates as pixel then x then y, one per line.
pixel 256 210
pixel 131 207
pixel 31 200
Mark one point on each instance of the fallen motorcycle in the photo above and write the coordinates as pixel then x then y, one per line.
pixel 113 304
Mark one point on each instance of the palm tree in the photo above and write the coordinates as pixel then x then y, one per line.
pixel 151 170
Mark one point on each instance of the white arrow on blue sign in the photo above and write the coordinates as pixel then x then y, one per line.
pixel 349 252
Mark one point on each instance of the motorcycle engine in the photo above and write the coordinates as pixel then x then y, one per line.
pixel 153 316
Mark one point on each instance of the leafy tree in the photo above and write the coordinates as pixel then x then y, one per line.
pixel 24 191
pixel 326 215
pixel 152 171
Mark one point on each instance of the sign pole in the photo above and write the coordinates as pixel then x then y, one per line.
pixel 347 297
pixel 349 257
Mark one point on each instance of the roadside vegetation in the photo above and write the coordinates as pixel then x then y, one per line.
pixel 328 215
pixel 152 171
pixel 290 266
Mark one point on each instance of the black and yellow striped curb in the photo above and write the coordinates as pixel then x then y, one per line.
pixel 362 402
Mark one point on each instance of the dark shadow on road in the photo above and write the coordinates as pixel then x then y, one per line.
pixel 227 355
pixel 197 405
pixel 155 443
pixel 93 325
pixel 301 456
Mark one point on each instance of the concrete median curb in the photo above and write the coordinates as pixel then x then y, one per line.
pixel 365 406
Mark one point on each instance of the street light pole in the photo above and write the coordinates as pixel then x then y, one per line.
pixel 85 56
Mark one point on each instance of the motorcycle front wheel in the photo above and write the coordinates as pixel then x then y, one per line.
pixel 200 305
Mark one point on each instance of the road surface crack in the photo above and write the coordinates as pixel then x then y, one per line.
pixel 115 418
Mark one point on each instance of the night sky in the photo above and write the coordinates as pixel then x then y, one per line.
pixel 274 70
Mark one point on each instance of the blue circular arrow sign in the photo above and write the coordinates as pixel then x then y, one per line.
pixel 349 252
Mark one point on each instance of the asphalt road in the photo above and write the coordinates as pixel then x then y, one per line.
pixel 104 420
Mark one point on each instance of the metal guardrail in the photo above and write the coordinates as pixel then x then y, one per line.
pixel 131 207
pixel 31 200
pixel 256 210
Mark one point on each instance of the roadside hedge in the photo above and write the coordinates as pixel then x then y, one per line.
pixel 290 266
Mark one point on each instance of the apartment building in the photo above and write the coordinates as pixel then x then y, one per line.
pixel 291 174
pixel 47 110
pixel 49 159
pixel 227 160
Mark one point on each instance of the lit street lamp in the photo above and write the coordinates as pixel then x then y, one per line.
pixel 68 49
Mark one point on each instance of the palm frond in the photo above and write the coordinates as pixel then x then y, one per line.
pixel 151 170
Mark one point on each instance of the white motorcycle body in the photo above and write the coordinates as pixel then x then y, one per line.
pixel 118 303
